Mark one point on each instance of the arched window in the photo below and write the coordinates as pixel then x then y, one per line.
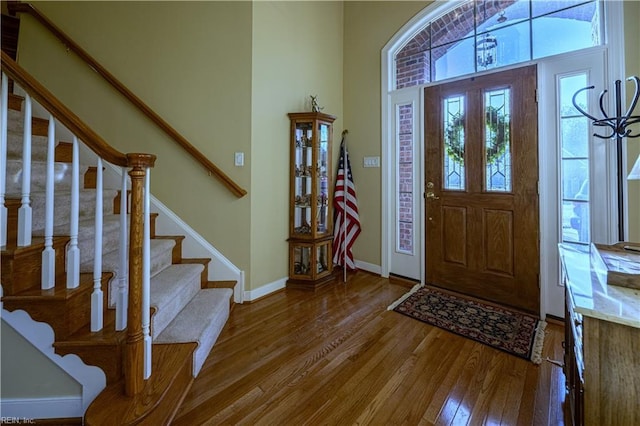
pixel 479 35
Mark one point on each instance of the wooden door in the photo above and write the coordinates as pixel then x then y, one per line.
pixel 481 187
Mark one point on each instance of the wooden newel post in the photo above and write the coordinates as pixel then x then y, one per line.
pixel 134 350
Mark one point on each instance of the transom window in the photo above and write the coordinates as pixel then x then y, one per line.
pixel 479 35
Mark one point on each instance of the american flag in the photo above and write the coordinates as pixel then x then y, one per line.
pixel 347 225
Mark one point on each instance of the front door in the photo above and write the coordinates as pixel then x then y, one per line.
pixel 482 187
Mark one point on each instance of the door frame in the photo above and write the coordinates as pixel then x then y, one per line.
pixel 404 96
pixel 549 270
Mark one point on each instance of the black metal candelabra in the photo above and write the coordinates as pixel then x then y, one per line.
pixel 619 126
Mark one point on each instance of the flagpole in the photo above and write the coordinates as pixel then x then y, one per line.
pixel 344 206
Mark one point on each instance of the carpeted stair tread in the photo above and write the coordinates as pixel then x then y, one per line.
pixel 171 291
pixel 61 173
pixel 160 257
pixel 62 209
pixel 201 320
pixel 161 254
pixel 15 149
pixel 86 227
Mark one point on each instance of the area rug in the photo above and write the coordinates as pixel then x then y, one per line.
pixel 511 331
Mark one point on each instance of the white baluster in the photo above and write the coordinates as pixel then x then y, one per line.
pixel 3 159
pixel 49 254
pixel 73 252
pixel 146 278
pixel 97 296
pixel 122 301
pixel 24 213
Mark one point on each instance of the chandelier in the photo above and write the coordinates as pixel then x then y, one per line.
pixel 486 50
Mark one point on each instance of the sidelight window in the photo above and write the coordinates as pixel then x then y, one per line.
pixel 574 168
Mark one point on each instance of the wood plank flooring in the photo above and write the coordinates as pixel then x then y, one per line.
pixel 338 357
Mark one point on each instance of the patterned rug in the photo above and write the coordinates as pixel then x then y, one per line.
pixel 516 333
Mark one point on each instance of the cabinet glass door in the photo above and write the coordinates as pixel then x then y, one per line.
pixel 303 170
pixel 302 261
pixel 322 170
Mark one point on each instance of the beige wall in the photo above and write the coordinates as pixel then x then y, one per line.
pixel 297 52
pixel 224 74
pixel 632 63
pixel 368 26
pixel 191 63
pixel 233 96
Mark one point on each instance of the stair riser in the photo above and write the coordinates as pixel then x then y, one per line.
pixel 65 316
pixel 23 269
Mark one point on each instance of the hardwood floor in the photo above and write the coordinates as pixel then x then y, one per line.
pixel 338 357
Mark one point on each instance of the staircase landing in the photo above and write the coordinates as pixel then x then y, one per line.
pixel 160 397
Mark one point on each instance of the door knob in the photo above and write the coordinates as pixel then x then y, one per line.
pixel 432 196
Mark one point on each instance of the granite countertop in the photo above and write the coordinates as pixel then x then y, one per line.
pixel 592 298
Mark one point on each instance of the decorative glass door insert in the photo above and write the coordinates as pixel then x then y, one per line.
pixel 497 143
pixel 454 143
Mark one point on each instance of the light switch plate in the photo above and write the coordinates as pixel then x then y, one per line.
pixel 239 159
pixel 371 162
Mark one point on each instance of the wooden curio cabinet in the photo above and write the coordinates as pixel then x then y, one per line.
pixel 311 198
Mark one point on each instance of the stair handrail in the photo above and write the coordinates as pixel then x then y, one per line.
pixel 66 117
pixel 139 164
pixel 135 100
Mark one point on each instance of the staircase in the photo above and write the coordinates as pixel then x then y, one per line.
pixel 187 312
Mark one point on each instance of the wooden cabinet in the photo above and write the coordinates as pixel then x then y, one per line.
pixel 602 345
pixel 310 205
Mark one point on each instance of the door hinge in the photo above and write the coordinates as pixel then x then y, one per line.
pixel 538 187
pixel 537 96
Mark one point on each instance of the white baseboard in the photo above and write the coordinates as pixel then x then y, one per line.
pixel 265 290
pixel 274 286
pixel 28 409
pixel 369 267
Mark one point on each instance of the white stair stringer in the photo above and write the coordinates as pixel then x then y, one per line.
pixel 91 378
pixel 201 321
